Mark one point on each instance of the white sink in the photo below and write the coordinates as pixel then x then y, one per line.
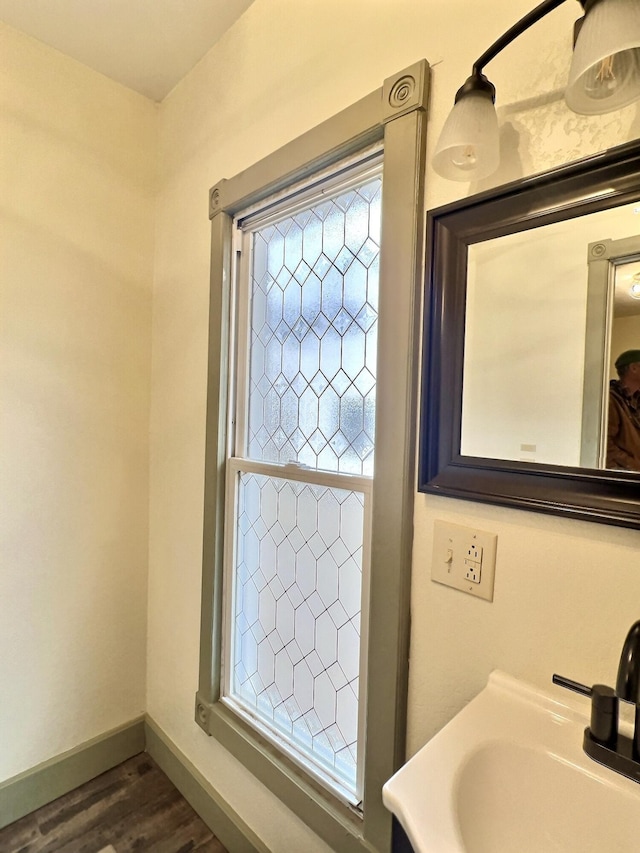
pixel 508 775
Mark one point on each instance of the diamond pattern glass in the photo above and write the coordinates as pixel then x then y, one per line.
pixel 314 298
pixel 294 588
pixel 297 599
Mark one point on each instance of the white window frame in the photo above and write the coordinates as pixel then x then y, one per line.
pixel 395 116
pixel 339 178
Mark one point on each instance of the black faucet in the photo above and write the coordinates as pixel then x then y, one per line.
pixel 602 739
pixel 628 681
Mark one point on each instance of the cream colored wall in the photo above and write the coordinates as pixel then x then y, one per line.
pixel 566 591
pixel 76 250
pixel 524 346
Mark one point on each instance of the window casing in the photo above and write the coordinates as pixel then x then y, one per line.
pixel 395 117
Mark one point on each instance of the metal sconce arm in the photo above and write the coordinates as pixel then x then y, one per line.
pixel 477 80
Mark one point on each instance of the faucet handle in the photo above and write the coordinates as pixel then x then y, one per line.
pixel 561 681
pixel 604 708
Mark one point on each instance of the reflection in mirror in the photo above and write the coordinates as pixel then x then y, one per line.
pixel 548 311
pixel 621 450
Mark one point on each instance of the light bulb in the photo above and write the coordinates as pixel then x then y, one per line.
pixel 604 79
pixel 634 290
pixel 465 157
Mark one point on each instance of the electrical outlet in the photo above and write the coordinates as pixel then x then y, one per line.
pixel 473 563
pixel 464 558
pixel 472 571
pixel 474 552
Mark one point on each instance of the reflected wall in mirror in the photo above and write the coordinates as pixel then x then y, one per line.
pixel 530 299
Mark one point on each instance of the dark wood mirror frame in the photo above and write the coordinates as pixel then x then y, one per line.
pixel 596 183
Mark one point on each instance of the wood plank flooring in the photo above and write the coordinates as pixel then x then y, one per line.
pixel 134 808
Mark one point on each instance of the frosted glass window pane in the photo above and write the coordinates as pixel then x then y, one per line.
pixel 297 592
pixel 312 363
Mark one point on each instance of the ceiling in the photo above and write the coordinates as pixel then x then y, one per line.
pixel 148 45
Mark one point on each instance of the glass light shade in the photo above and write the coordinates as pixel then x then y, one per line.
pixel 605 71
pixel 468 148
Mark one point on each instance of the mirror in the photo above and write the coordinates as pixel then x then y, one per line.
pixel 547 312
pixel 529 300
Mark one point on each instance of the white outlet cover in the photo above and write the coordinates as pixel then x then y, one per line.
pixel 451 544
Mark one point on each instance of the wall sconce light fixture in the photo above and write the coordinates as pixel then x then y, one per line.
pixel 604 76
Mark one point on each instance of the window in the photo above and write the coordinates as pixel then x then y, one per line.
pixel 299 474
pixel 314 326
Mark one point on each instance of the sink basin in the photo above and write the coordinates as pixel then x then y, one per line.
pixel 508 775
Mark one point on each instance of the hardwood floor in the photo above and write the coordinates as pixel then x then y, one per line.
pixel 134 808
